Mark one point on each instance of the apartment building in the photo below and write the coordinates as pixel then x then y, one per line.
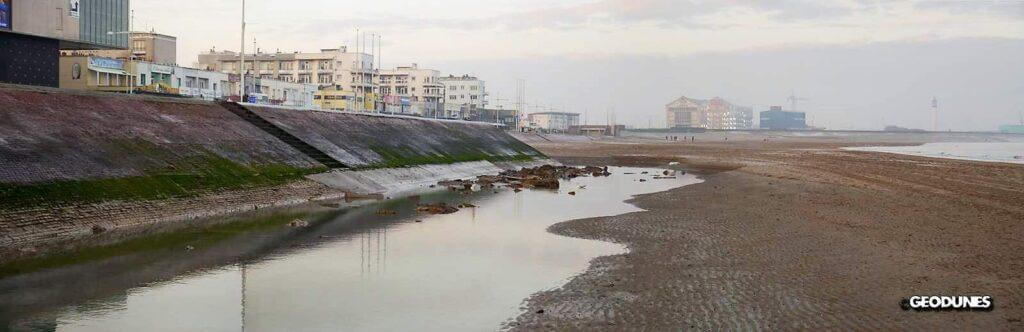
pixel 463 95
pixel 329 67
pixel 716 113
pixel 412 90
pixel 150 47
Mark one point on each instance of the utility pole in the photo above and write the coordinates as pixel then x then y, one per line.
pixel 935 114
pixel 241 62
pixel 131 57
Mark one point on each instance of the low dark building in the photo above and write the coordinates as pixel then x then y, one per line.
pixel 505 117
pixel 32 33
pixel 597 130
pixel 777 119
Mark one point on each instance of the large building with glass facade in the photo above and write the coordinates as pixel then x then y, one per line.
pixel 32 33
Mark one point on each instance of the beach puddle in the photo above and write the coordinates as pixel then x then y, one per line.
pixel 354 268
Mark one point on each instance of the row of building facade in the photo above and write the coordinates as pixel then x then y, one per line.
pixel 718 114
pixel 352 81
pixel 89 45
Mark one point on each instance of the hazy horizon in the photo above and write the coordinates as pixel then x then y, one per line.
pixel 859 64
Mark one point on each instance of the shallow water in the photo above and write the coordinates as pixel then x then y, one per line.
pixel 350 270
pixel 1006 152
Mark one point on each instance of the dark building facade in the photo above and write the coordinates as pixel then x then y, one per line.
pixel 28 60
pixel 777 119
pixel 32 33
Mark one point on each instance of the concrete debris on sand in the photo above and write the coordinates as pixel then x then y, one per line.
pixel 438 208
pixel 466 205
pixel 298 223
pixel 386 212
pixel 542 177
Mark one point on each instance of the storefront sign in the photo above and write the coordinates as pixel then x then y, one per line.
pixel 161 69
pixel 106 63
pixel 74 8
pixel 5 14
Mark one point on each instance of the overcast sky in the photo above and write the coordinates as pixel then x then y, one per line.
pixel 860 64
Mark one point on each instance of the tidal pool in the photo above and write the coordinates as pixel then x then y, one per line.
pixel 353 268
pixel 1004 152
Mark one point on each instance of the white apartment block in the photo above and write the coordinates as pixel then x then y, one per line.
pixel 412 90
pixel 463 94
pixel 270 91
pixel 191 82
pixel 352 71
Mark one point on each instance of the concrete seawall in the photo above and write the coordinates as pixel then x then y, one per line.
pixel 73 164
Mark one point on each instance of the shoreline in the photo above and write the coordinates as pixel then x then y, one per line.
pixel 776 241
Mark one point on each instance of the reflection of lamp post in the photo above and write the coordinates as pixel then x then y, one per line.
pixel 131 55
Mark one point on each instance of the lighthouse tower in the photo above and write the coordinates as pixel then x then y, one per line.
pixel 935 114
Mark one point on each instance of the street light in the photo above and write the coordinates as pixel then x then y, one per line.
pixel 131 56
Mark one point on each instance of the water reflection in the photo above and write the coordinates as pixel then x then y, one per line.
pixel 350 270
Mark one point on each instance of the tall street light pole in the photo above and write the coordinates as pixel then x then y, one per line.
pixel 241 62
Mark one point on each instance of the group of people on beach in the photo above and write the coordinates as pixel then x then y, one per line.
pixel 676 138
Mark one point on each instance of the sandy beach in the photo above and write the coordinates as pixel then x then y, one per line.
pixel 793 233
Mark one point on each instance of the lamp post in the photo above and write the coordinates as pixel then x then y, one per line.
pixel 241 62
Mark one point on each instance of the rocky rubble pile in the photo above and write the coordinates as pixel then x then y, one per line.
pixel 543 177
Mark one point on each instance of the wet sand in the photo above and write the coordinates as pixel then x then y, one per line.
pixel 794 234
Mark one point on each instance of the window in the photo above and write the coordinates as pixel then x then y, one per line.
pixel 190 82
pixel 286 78
pixel 204 83
pixel 305 78
pixel 453 97
pixel 453 88
pixel 325 65
pixel 324 79
pixel 473 97
pixel 305 65
pixel 285 65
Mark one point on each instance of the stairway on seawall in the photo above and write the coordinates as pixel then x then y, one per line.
pixel 283 135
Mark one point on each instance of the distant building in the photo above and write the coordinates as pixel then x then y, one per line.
pixel 716 113
pixel 412 90
pixel 270 91
pixel 150 47
pixel 777 119
pixel 501 116
pixel 597 130
pixel 554 121
pixel 330 67
pixel 463 94
pixel 32 33
pixel 1012 129
pixel 83 72
pixel 334 98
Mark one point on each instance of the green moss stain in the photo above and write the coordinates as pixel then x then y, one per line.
pixel 197 237
pixel 200 174
pixel 404 156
